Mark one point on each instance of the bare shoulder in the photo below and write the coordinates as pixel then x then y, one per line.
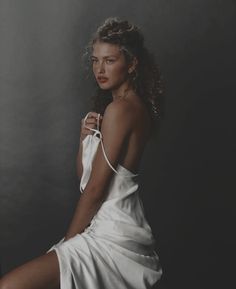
pixel 118 107
pixel 120 112
pixel 132 108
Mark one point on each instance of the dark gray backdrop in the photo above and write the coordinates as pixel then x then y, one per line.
pixel 186 176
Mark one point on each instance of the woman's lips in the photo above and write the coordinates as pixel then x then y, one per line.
pixel 102 79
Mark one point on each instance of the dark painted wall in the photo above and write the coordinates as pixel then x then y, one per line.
pixel 186 174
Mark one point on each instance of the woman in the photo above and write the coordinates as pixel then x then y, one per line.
pixel 109 243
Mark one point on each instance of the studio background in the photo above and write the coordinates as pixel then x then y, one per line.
pixel 186 174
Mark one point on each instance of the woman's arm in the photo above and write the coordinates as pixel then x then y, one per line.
pixel 116 127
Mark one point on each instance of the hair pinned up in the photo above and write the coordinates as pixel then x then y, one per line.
pixel 145 79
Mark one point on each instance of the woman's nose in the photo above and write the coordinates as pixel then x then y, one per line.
pixel 101 67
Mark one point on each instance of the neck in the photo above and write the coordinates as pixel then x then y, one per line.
pixel 121 91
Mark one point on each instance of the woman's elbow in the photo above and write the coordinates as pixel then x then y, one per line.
pixel 97 192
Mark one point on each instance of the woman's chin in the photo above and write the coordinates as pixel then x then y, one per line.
pixel 104 87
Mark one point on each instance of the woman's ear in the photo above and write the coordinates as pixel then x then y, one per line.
pixel 133 65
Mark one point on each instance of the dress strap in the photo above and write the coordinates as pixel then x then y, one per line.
pixel 93 129
pixel 97 132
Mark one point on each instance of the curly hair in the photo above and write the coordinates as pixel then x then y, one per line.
pixel 146 80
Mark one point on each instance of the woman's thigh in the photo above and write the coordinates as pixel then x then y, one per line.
pixel 40 273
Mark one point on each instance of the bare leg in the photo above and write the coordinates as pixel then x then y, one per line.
pixel 40 273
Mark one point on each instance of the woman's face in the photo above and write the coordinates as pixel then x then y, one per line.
pixel 109 65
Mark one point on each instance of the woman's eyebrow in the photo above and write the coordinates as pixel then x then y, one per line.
pixel 107 56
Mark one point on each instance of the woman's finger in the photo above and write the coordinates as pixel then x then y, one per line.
pixel 94 114
pixel 87 131
pixel 91 121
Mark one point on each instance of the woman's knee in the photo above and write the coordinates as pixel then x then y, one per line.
pixel 5 283
pixel 41 272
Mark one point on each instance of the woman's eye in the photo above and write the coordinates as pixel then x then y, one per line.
pixel 110 60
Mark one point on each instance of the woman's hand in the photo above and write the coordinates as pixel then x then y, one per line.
pixel 91 122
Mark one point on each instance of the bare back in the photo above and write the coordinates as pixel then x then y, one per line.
pixel 134 147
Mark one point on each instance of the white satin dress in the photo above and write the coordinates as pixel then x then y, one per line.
pixel 117 249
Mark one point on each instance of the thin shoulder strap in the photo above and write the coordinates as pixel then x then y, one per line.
pixel 97 132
